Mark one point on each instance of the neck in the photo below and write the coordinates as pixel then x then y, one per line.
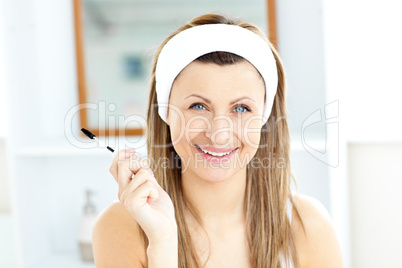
pixel 219 204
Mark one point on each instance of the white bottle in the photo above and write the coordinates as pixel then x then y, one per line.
pixel 85 230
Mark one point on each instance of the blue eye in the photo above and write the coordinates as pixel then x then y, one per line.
pixel 245 108
pixel 196 105
pixel 202 107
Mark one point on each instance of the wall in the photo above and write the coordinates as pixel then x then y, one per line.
pixel 362 63
pixel 7 230
pixel 4 183
pixel 364 58
pixel 344 50
pixel 301 48
pixel 376 204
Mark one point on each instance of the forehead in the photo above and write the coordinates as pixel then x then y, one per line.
pixel 214 78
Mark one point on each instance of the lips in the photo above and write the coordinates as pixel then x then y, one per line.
pixel 216 150
pixel 220 154
pixel 216 157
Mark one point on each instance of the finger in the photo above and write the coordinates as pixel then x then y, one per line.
pixel 126 169
pixel 130 182
pixel 144 193
pixel 122 154
pixel 124 176
pixel 141 177
pixel 138 198
pixel 113 166
pixel 133 182
pixel 153 179
pixel 137 163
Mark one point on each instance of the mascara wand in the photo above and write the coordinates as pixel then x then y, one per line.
pixel 92 136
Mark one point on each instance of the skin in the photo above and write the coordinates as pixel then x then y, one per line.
pixel 216 191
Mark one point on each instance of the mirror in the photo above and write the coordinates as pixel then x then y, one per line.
pixel 115 43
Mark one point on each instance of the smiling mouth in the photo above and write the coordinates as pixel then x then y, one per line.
pixel 213 153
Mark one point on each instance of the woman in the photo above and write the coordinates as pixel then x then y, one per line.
pixel 221 195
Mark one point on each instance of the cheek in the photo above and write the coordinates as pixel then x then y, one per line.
pixel 251 134
pixel 184 130
pixel 176 123
pixel 196 125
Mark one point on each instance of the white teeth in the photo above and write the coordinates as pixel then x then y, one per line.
pixel 214 154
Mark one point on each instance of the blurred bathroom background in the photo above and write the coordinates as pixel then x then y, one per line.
pixel 343 64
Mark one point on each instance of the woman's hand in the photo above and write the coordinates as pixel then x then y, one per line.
pixel 142 196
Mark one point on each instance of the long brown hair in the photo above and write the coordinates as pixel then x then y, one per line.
pixel 267 188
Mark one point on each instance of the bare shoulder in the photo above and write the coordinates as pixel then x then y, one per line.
pixel 317 243
pixel 116 239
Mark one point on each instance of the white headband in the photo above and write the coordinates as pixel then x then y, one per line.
pixel 196 41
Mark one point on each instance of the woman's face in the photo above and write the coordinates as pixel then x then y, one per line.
pixel 218 109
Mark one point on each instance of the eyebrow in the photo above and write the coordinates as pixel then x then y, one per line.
pixel 208 101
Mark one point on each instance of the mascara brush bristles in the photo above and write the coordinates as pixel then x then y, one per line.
pixel 92 136
pixel 88 133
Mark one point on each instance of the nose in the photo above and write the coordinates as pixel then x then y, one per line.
pixel 221 131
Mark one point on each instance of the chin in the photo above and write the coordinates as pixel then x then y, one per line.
pixel 213 175
pixel 214 172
